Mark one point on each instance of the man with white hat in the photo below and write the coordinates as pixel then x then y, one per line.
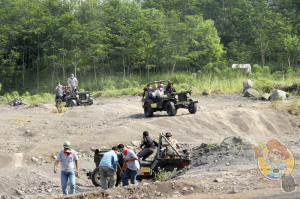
pixel 67 157
pixel 72 82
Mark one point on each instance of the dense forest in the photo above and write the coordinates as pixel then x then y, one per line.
pixel 43 41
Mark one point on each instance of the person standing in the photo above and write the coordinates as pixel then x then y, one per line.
pixel 67 157
pixel 72 82
pixel 149 146
pixel 108 168
pixel 130 165
pixel 59 90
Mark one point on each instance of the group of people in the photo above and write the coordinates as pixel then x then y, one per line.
pixel 158 91
pixel 108 164
pixel 72 84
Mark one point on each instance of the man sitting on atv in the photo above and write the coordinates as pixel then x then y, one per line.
pixel 170 88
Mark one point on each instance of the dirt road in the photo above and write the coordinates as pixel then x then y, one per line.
pixel 30 137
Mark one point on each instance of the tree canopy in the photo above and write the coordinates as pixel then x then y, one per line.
pixel 43 41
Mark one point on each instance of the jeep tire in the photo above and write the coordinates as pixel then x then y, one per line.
pixel 192 108
pixel 71 103
pixel 148 111
pixel 170 108
pixel 96 177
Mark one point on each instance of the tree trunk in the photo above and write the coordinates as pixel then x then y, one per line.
pixel 95 72
pixel 173 68
pixel 23 66
pixel 124 68
pixel 63 68
pixel 38 71
pixel 289 61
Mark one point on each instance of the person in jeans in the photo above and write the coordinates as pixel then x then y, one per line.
pixel 67 157
pixel 149 146
pixel 130 165
pixel 108 168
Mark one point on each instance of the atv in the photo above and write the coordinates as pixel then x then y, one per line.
pixel 75 98
pixel 148 169
pixel 169 102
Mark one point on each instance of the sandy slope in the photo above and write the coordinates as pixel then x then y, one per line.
pixel 120 120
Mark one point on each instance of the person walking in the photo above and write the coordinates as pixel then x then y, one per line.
pixel 67 157
pixel 108 168
pixel 130 165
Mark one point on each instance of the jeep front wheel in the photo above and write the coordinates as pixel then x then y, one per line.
pixel 148 111
pixel 170 107
pixel 192 108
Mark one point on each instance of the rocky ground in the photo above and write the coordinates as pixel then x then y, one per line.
pixel 31 136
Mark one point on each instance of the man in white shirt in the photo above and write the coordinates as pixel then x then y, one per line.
pixel 72 82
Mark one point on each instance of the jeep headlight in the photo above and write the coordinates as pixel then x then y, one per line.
pixel 87 95
pixel 188 95
pixel 176 97
pixel 77 96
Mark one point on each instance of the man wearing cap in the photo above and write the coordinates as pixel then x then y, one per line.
pixel 67 157
pixel 149 146
pixel 130 167
pixel 170 151
pixel 72 82
pixel 108 168
pixel 170 88
pixel 146 90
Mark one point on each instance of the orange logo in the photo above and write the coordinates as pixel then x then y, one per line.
pixel 276 162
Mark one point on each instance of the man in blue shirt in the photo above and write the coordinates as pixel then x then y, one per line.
pixel 108 168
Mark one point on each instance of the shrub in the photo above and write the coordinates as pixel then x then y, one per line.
pixel 14 94
pixel 162 175
pixel 36 98
pixel 7 97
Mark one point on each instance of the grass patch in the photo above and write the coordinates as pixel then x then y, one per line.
pixel 294 109
pixel 21 120
pixel 162 175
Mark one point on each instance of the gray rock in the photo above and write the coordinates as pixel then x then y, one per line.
pixel 279 95
pixel 265 96
pixel 34 159
pixel 157 193
pixel 145 184
pixel 136 143
pixel 251 93
pixel 227 164
pixel 20 192
pixel 238 142
pixel 247 84
pixel 18 101
pixel 218 180
pixel 206 92
pixel 185 189
pixel 231 191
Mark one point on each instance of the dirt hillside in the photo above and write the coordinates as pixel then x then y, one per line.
pixel 31 135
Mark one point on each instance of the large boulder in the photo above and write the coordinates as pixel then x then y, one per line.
pixel 236 142
pixel 251 93
pixel 18 101
pixel 265 96
pixel 279 95
pixel 247 84
pixel 206 92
